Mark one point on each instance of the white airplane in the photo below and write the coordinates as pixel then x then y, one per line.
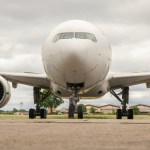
pixel 76 57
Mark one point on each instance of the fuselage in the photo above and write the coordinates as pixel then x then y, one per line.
pixel 76 52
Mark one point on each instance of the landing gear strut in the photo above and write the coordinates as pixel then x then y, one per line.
pixel 37 99
pixel 73 106
pixel 124 101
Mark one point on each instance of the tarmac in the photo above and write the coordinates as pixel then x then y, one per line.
pixel 64 134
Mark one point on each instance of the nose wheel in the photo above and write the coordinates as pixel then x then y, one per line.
pixel 71 111
pixel 73 106
pixel 80 112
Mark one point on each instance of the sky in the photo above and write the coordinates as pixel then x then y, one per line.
pixel 24 26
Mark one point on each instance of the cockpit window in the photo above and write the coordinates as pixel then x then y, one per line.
pixel 58 37
pixel 68 35
pixel 77 35
pixel 88 36
pixel 93 37
pixel 80 35
pixel 83 35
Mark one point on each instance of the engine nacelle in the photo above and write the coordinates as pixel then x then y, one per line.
pixel 5 92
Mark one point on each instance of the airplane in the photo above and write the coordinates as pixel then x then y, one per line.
pixel 76 58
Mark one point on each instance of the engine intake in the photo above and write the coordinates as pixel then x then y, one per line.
pixel 1 91
pixel 5 92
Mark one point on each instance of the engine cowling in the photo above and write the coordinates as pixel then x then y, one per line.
pixel 5 92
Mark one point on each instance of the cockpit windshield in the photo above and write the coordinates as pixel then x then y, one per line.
pixel 68 35
pixel 80 35
pixel 77 35
pixel 57 37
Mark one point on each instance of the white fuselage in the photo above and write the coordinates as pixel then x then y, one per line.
pixel 76 60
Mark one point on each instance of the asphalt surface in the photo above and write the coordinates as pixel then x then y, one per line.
pixel 74 134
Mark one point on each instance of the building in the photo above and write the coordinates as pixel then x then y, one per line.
pixel 88 107
pixel 63 110
pixel 109 108
pixel 106 109
pixel 144 109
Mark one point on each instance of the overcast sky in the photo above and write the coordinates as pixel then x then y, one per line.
pixel 25 24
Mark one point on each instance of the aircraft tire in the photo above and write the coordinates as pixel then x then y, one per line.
pixel 130 114
pixel 80 112
pixel 71 111
pixel 119 114
pixel 32 113
pixel 43 113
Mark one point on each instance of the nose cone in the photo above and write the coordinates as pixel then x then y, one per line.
pixel 73 55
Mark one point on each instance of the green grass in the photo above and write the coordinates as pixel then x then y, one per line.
pixel 85 117
pixel 10 116
pixel 142 117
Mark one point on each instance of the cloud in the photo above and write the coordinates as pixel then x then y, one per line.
pixel 26 24
pixel 22 63
pixel 22 94
pixel 125 34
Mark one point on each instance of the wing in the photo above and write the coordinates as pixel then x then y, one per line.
pixel 125 80
pixel 31 79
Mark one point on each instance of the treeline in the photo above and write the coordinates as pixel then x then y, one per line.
pixel 12 111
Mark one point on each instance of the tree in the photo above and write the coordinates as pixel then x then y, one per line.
pixel 136 110
pixel 83 107
pixel 14 110
pixel 113 112
pixel 92 110
pixel 22 110
pixel 51 101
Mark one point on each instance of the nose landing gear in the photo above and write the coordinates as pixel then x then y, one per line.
pixel 73 106
pixel 124 101
pixel 80 112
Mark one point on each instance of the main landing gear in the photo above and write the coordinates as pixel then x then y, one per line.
pixel 124 101
pixel 37 99
pixel 73 106
pixel 33 113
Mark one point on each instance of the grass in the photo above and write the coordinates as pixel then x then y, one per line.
pixel 8 116
pixel 11 116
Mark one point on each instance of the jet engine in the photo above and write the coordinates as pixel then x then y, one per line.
pixel 5 92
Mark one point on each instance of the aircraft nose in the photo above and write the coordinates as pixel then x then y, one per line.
pixel 73 54
pixel 73 61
